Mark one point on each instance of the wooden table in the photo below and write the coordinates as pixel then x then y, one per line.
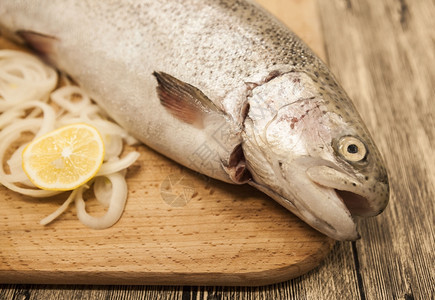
pixel 383 53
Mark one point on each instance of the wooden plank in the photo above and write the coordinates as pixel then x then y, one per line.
pixel 383 52
pixel 301 16
pixel 368 48
pixel 177 228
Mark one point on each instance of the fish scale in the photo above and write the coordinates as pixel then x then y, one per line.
pixel 203 82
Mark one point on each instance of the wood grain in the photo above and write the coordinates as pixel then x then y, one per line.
pixel 383 53
pixel 178 228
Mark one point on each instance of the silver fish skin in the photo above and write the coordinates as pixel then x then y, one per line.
pixel 223 88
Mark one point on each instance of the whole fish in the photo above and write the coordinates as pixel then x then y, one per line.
pixel 223 88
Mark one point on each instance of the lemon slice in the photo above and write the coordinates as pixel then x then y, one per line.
pixel 65 158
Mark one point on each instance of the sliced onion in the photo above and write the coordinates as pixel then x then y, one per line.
pixel 64 95
pixel 9 136
pixel 119 164
pixel 103 190
pixel 23 77
pixel 117 202
pixel 26 86
pixel 61 209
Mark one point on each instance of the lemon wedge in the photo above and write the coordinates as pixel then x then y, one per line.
pixel 65 158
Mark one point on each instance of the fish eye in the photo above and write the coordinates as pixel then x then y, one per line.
pixel 352 149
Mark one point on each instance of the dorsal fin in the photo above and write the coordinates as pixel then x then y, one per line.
pixel 43 45
pixel 184 101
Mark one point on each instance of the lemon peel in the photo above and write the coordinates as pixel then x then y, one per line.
pixel 65 158
pixel 29 105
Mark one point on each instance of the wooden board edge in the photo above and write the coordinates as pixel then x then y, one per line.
pixel 261 278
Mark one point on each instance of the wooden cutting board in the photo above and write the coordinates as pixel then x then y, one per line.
pixel 178 226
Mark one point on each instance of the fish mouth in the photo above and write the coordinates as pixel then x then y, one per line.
pixel 357 205
pixel 327 198
pixel 361 198
pixel 320 207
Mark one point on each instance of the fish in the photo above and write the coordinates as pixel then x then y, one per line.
pixel 223 88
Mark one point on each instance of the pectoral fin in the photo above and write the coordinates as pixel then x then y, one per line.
pixel 184 101
pixel 236 167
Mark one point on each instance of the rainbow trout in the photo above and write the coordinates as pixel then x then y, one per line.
pixel 223 88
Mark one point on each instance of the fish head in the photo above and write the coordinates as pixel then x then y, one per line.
pixel 306 146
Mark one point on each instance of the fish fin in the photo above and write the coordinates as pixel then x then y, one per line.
pixel 236 167
pixel 184 101
pixel 43 45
